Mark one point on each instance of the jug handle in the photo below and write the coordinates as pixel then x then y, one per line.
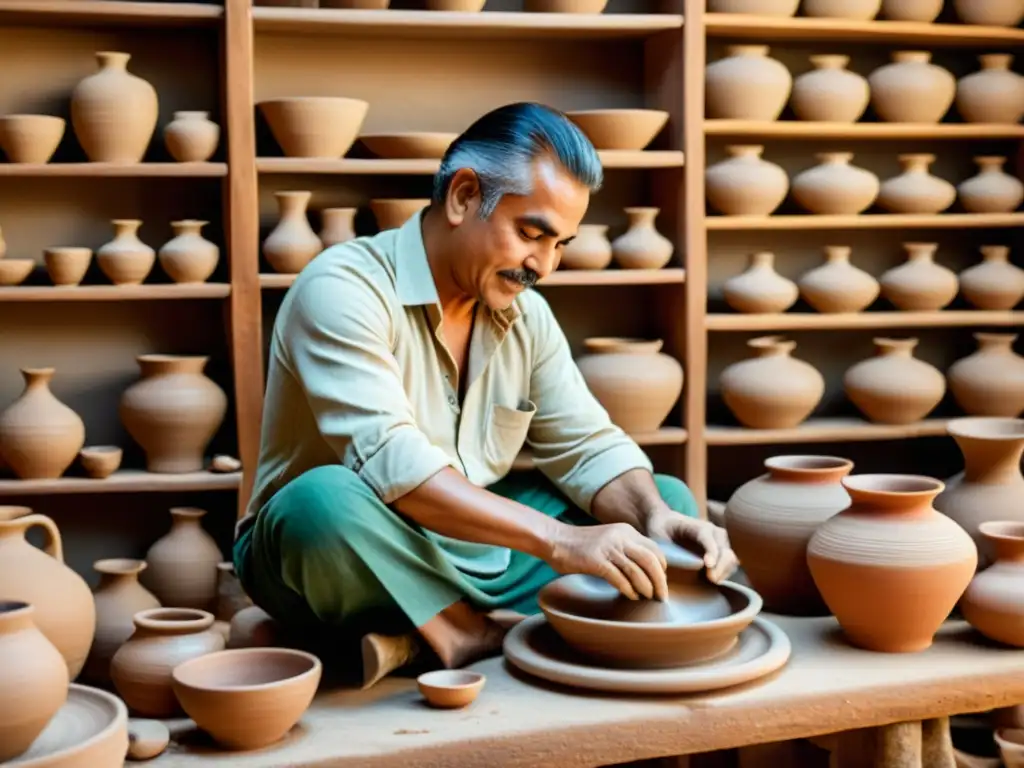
pixel 52 546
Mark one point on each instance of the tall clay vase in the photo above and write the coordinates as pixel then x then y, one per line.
pixel 641 246
pixel 64 609
pixel 916 190
pixel 992 603
pixel 992 190
pixel 911 89
pixel 990 381
pixel 835 187
pixel 744 184
pixel 912 10
pixel 920 284
pixel 188 257
pixel 854 10
pixel 590 249
pixel 989 13
pixel 889 566
pixel 182 570
pixel 994 94
pixel 113 112
pixel 995 283
pixel 292 244
pixel 771 518
pixel 830 92
pixel 39 436
pixel 894 387
pixel 126 260
pixel 760 288
pixel 337 226
pixel 173 411
pixel 746 85
pixel 837 285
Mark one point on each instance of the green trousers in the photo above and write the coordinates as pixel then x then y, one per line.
pixel 324 551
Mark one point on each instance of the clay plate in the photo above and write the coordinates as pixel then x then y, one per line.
pixel 408 145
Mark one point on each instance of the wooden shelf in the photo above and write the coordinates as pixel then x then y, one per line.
pixel 147 170
pixel 573 277
pixel 815 130
pixel 866 221
pixel 664 436
pixel 125 481
pixel 66 13
pixel 794 321
pixel 114 292
pixel 824 431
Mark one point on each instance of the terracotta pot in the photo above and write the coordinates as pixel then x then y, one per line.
pixel 113 112
pixel 635 382
pixel 39 436
pixel 889 566
pixel 590 250
pixel 772 390
pixel 33 679
pixel 173 411
pixel 64 609
pixel 837 285
pixel 916 190
pixel 995 94
pixel 894 387
pixel 391 213
pixel 337 226
pixel 182 570
pixel 995 283
pixel 834 187
pixel 771 518
pixel 315 126
pixel 991 13
pixel 856 10
pixel 188 257
pixel 67 265
pixel 292 244
pixel 912 10
pixel 760 288
pixel 191 137
pixel 163 639
pixel 830 92
pixel 744 184
pixel 641 246
pixel 30 138
pixel 746 85
pixel 911 89
pixel 126 260
pixel 920 284
pixel 992 602
pixel 992 190
pixel 755 7
pixel 990 381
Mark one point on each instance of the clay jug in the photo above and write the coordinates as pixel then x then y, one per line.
pixel 590 249
pixel 182 564
pixel 771 518
pixel 755 7
pixel 995 94
pixel 126 260
pixel 337 225
pixel 834 187
pixel 894 387
pixel 911 89
pixel 113 112
pixel 856 10
pixel 990 381
pixel 992 190
pixel 191 137
pixel 33 679
pixel 830 92
pixel 635 382
pixel 746 85
pixel 889 566
pixel 173 411
pixel 760 288
pixel 744 184
pixel 39 436
pixel 916 190
pixel 772 390
pixel 920 284
pixel 641 246
pixel 292 244
pixel 995 283
pixel 188 257
pixel 837 285
pixel 992 603
pixel 991 13
pixel 925 11
pixel 64 609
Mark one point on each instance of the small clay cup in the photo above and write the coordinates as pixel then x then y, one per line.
pixel 67 265
pixel 451 688
pixel 100 461
pixel 15 271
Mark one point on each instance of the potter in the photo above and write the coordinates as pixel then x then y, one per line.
pixel 407 370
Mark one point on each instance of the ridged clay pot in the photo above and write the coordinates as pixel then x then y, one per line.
pixel 919 284
pixel 911 89
pixel 837 285
pixel 916 190
pixel 760 288
pixel 39 436
pixel 337 225
pixel 126 260
pixel 830 92
pixel 746 85
pixel 755 7
pixel 992 190
pixel 191 137
pixel 894 387
pixel 591 249
pixel 641 246
pixel 925 11
pixel 854 10
pixel 992 603
pixel 182 570
pixel 188 257
pixel 292 244
pixel 744 184
pixel 30 138
pixel 835 187
pixel 995 283
pixel 990 380
pixel 994 94
pixel 990 13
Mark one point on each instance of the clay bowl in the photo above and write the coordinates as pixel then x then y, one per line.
pixel 247 698
pixel 408 145
pixel 100 461
pixel 30 138
pixel 315 126
pixel 15 271
pixel 450 688
pixel 67 265
pixel 393 213
pixel 620 128
pixel 1011 746
pixel 91 729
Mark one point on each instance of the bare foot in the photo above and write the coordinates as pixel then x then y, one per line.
pixel 460 635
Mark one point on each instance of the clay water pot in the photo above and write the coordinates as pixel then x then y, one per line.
pixel 755 7
pixel 30 138
pixel 991 13
pixel 744 184
pixel 837 285
pixel 894 387
pixel 641 246
pixel 393 213
pixel 916 190
pixel 855 10
pixel 191 137
pixel 912 10
pixel 889 566
pixel 771 518
pixel 835 187
pixel 920 284
pixel 40 437
pixel 992 603
pixel 992 190
pixel 126 260
pixel 990 381
pixel 994 94
pixel 182 570
pixel 337 226
pixel 315 126
pixel 995 283
pixel 830 92
pixel 760 288
pixel 911 89
pixel 188 257
pixel 292 244
pixel 746 85
pixel 590 250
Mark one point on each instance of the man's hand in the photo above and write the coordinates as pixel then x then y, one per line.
pixel 668 525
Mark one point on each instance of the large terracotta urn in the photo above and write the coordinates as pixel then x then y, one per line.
pixel 747 84
pixel 39 435
pixel 916 189
pixel 835 186
pixel 912 10
pixel 744 184
pixel 838 285
pixel 990 13
pixel 830 92
pixel 992 190
pixel 995 283
pixel 889 566
pixel 641 246
pixel 126 260
pixel 989 381
pixel 755 7
pixel 760 288
pixel 993 94
pixel 992 603
pixel 771 518
pixel 853 10
pixel 590 249
pixel 182 564
pixel 292 244
pixel 911 89
pixel 894 387
pixel 919 284
pixel 188 257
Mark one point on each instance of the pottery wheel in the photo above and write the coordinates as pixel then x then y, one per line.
pixel 534 647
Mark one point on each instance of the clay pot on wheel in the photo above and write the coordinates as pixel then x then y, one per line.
pixel 990 381
pixel 992 602
pixel 894 387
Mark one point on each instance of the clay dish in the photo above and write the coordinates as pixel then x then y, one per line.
pixel 15 271
pixel 451 688
pixel 247 698
pixel 100 461
pixel 1011 746
pixel 30 138
pixel 564 6
pixel 67 265
pixel 394 212
pixel 620 128
pixel 408 145
pixel 315 126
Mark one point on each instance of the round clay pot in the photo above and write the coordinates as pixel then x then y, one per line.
pixel 995 283
pixel 315 126
pixel 855 10
pixel 837 285
pixel 911 89
pixel 126 260
pixel 100 461
pixel 391 213
pixel 591 249
pixel 67 265
pixel 771 518
pixel 746 85
pixel 993 190
pixel 992 602
pixel 30 138
pixel 745 184
pixel 834 187
pixel 889 566
pixel 916 190
pixel 925 11
pixel 894 387
pixel 755 7
pixel 990 381
pixel 188 257
pixel 182 570
pixel 337 226
pixel 641 246
pixel 292 244
pixel 40 437
pixel 830 92
pixel 760 288
pixel 919 284
pixel 990 13
pixel 995 94
pixel 191 137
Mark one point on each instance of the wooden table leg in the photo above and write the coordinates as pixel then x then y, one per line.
pixel 937 744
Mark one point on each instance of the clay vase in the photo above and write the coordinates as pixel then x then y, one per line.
pixel 173 411
pixel 39 436
pixel 772 390
pixel 771 518
pixel 834 187
pixel 916 190
pixel 64 609
pixel 641 246
pixel 118 597
pixel 911 89
pixel 163 638
pixel 188 257
pixel 746 85
pixel 925 11
pixel 837 285
pixel 920 284
pixel 126 260
pixel 760 288
pixel 292 244
pixel 113 112
pixel 755 7
pixel 182 570
pixel 889 566
pixel 990 13
pixel 992 190
pixel 894 387
pixel 633 380
pixel 191 137
pixel 856 10
pixel 992 603
pixel 994 94
pixel 830 92
pixel 337 225
pixel 995 283
pixel 591 249
pixel 33 679
pixel 744 184
pixel 990 381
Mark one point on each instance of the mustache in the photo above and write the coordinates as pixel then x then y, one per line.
pixel 525 277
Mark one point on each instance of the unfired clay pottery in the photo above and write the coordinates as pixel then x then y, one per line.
pixel 292 243
pixel 163 639
pixel 994 94
pixel 830 92
pixel 760 288
pixel 746 85
pixel 772 390
pixel 253 627
pixel 920 284
pixel 856 10
pixel 67 265
pixel 771 518
pixel 30 138
pixel 191 137
pixel 315 126
pixel 15 271
pixel 100 461
pixel 837 285
pixel 391 213
pixel 894 387
pixel 990 381
pixel 993 13
pixel 231 598
pixel 33 679
pixel 39 436
pixel 146 738
pixel 635 382
pixel 755 7
pixel 591 249
pixel 641 246
pixel 90 730
pixel 126 260
pixel 744 184
pixel 173 411
pixel 912 10
pixel 993 603
pixel 992 190
pixel 188 257
pixel 835 187
pixel 916 190
pixel 889 566
pixel 631 129
pixel 995 283
pixel 113 112
pixel 450 688
pixel 337 226
pixel 64 609
pixel 412 144
pixel 182 570
pixel 911 89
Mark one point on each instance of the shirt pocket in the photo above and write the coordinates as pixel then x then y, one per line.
pixel 506 434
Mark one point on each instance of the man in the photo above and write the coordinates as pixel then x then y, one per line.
pixel 406 372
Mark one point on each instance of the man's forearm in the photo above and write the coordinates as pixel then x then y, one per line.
pixel 629 498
